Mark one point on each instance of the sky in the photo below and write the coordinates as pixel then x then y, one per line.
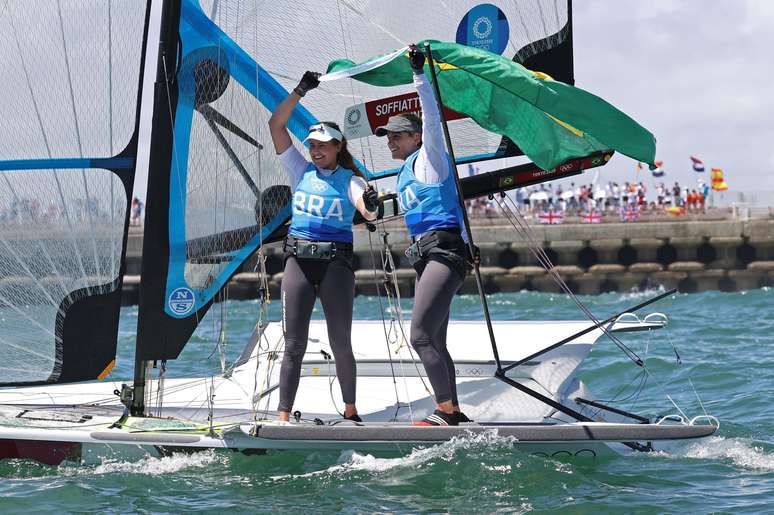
pixel 697 73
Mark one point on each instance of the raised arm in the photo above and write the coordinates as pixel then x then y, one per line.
pixel 278 123
pixel 435 168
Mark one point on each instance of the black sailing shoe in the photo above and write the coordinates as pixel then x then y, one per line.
pixel 354 418
pixel 461 418
pixel 438 418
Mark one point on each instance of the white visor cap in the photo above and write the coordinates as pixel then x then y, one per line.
pixel 321 132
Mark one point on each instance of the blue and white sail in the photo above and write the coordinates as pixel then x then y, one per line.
pixel 71 75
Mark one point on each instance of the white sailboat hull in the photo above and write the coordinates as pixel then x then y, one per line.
pixel 237 410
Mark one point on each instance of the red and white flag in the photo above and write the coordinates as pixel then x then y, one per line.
pixel 592 217
pixel 630 213
pixel 551 217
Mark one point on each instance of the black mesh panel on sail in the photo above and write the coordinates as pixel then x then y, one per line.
pixel 71 75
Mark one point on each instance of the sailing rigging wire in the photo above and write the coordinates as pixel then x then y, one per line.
pixel 390 284
pixel 55 174
pixel 381 311
pixel 93 231
pixel 513 215
pixel 160 387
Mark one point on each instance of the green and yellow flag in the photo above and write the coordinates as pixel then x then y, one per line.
pixel 550 121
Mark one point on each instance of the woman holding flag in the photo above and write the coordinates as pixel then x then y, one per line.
pixel 318 249
pixel 428 198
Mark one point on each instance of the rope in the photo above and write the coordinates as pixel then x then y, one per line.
pixel 381 311
pixel 514 216
pixel 392 336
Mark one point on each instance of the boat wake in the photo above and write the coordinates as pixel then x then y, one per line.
pixel 742 452
pixel 353 462
pixel 150 465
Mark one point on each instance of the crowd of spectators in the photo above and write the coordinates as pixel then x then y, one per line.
pixel 611 197
pixel 33 210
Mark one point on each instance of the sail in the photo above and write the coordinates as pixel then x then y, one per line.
pixel 71 75
pixel 553 122
pixel 216 190
pixel 306 35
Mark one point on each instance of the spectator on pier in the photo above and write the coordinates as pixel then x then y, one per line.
pixel 615 191
pixel 660 192
pixel 525 201
pixel 700 199
pixel 561 203
pixel 689 200
pixel 136 211
pixel 704 188
pixel 676 195
pixel 641 202
pixel 625 194
pixel 572 199
pixel 550 192
pixel 608 196
pixel 519 197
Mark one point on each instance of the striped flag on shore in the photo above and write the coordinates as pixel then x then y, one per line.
pixel 551 217
pixel 630 213
pixel 658 171
pixel 698 164
pixel 592 217
pixel 718 182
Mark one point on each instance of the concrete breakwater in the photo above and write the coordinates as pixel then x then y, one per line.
pixel 690 255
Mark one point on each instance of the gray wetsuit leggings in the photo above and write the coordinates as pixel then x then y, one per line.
pixel 437 282
pixel 302 281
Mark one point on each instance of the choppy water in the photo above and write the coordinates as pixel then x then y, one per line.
pixel 725 340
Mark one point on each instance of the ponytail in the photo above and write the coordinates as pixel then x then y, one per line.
pixel 344 157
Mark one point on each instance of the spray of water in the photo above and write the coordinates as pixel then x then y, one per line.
pixel 352 461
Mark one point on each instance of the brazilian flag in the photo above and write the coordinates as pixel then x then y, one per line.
pixel 550 121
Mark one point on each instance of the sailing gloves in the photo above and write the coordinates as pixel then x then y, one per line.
pixel 416 58
pixel 309 81
pixel 370 199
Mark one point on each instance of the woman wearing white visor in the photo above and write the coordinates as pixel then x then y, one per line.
pixel 318 250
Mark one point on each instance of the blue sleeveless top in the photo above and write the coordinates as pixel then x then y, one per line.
pixel 427 207
pixel 321 207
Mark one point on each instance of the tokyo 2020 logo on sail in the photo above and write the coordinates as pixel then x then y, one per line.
pixel 482 27
pixel 486 27
pixel 181 301
pixel 353 117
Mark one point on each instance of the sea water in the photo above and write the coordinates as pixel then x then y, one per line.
pixel 725 344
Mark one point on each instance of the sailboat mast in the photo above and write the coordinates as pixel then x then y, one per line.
pixel 465 221
pixel 156 232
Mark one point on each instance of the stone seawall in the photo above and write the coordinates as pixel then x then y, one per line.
pixel 691 255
